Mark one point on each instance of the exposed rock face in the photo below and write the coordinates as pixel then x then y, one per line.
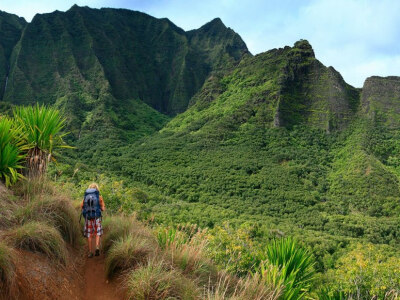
pixel 10 32
pixel 312 93
pixel 381 99
pixel 117 52
pixel 281 88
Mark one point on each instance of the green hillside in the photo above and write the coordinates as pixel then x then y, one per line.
pixel 10 31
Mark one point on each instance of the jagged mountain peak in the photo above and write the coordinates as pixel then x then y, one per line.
pixel 305 47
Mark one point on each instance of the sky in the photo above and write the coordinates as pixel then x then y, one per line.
pixel 359 38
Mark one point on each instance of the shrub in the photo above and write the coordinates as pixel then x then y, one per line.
pixel 7 271
pixel 154 281
pixel 126 253
pixel 39 237
pixel 368 271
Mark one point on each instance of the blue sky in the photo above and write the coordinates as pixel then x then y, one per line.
pixel 359 38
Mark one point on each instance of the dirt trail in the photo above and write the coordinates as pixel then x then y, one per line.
pixel 97 286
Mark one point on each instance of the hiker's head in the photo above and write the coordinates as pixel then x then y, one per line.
pixel 94 186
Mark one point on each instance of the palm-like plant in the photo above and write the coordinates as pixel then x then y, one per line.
pixel 42 134
pixel 288 264
pixel 10 155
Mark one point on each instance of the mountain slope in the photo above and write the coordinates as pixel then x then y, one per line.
pixel 128 54
pixel 10 32
pixel 281 88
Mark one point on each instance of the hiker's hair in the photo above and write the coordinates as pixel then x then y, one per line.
pixel 94 185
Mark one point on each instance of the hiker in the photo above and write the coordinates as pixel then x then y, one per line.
pixel 92 206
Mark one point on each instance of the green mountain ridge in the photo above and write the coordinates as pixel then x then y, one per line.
pixel 124 53
pixel 10 31
pixel 116 74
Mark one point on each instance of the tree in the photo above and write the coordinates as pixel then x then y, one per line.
pixel 41 126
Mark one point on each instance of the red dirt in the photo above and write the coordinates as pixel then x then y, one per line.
pixel 97 286
pixel 82 279
pixel 39 278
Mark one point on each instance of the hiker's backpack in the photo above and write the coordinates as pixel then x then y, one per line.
pixel 91 204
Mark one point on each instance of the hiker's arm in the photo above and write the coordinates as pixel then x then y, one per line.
pixel 102 205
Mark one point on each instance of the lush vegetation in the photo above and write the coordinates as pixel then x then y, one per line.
pixel 278 173
pixel 328 181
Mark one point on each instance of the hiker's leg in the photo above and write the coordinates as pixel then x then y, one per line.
pixel 97 241
pixel 90 242
pixel 99 231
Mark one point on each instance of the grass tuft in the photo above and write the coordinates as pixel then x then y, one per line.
pixel 154 281
pixel 39 237
pixel 118 227
pixel 190 259
pixel 127 253
pixel 56 211
pixel 250 287
pixel 7 271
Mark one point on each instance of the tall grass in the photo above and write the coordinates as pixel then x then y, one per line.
pixel 117 227
pixel 55 211
pixel 155 281
pixel 32 188
pixel 44 203
pixel 8 205
pixel 7 272
pixel 251 287
pixel 190 259
pixel 39 237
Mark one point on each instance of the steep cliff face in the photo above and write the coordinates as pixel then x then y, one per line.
pixel 10 32
pixel 381 99
pixel 311 93
pixel 281 87
pixel 123 53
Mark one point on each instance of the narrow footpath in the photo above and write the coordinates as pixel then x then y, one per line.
pixel 97 286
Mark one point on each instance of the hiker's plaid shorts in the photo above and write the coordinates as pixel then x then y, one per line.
pixel 93 227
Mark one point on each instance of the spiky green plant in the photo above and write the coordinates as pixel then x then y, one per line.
pixel 42 128
pixel 10 155
pixel 288 264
